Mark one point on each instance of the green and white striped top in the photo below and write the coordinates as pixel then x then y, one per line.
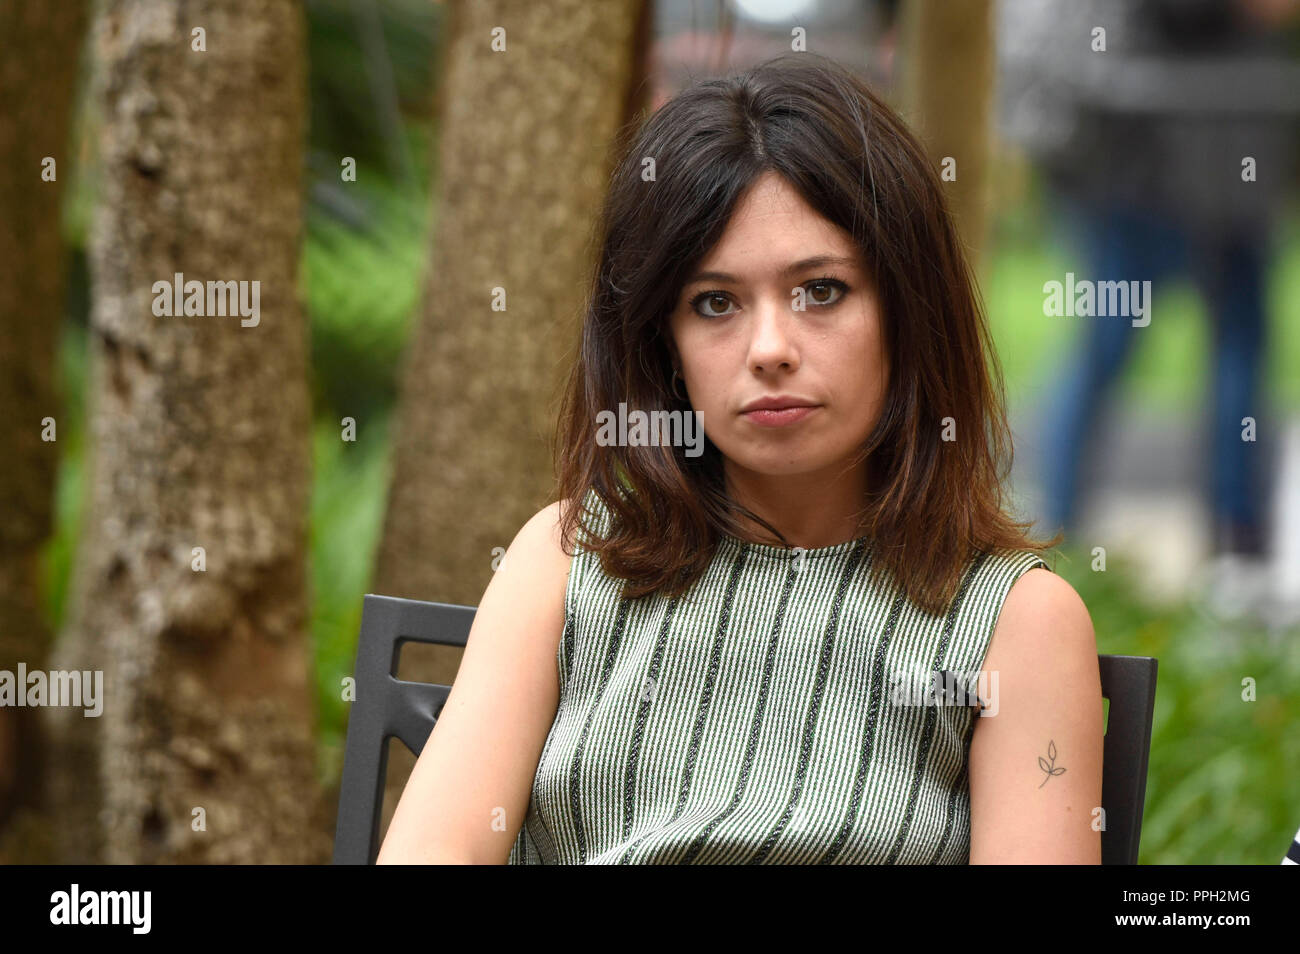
pixel 765 717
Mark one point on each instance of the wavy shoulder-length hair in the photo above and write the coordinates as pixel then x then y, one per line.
pixel 933 504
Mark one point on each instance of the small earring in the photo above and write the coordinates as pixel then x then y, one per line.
pixel 677 377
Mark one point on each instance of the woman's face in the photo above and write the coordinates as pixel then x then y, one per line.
pixel 741 336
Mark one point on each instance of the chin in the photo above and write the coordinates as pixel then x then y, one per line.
pixel 781 462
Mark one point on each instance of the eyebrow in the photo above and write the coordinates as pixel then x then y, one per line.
pixel 803 264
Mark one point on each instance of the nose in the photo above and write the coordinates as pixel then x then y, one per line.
pixel 771 342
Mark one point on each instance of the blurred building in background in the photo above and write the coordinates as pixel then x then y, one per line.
pixel 694 40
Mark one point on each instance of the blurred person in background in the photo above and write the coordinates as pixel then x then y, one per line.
pixel 1142 146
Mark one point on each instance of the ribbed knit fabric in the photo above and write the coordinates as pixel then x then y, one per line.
pixel 756 720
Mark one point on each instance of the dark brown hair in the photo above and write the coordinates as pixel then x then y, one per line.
pixel 932 503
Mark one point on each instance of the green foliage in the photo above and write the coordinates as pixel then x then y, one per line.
pixel 373 70
pixel 362 287
pixel 60 550
pixel 347 510
pixel 372 65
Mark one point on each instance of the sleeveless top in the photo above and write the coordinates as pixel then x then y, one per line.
pixel 769 715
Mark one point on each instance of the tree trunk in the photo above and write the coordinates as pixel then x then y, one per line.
pixel 199 437
pixel 525 151
pixel 38 73
pixel 947 91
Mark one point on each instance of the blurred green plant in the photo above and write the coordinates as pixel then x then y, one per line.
pixel 362 286
pixel 347 513
pixel 60 550
pixel 372 64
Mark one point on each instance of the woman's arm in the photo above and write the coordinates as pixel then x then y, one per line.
pixel 467 795
pixel 1024 809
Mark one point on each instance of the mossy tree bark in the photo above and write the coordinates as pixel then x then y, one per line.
pixel 199 437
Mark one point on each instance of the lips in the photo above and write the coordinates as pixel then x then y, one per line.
pixel 778 417
pixel 777 402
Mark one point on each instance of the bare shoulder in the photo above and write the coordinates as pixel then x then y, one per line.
pixel 1044 631
pixel 532 576
pixel 1044 602
pixel 538 545
pixel 1044 635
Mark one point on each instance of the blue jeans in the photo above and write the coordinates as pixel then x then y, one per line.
pixel 1124 242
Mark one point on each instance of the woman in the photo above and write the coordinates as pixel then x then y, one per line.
pixel 821 639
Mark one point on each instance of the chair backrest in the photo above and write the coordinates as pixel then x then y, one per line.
pixel 1129 682
pixel 386 706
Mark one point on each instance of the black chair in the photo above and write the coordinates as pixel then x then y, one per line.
pixel 386 706
pixel 1129 682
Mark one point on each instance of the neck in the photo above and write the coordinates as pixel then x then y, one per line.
pixel 815 509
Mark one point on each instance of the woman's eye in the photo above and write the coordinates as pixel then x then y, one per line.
pixel 711 299
pixel 825 291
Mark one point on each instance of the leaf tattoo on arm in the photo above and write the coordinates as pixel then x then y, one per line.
pixel 1046 766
